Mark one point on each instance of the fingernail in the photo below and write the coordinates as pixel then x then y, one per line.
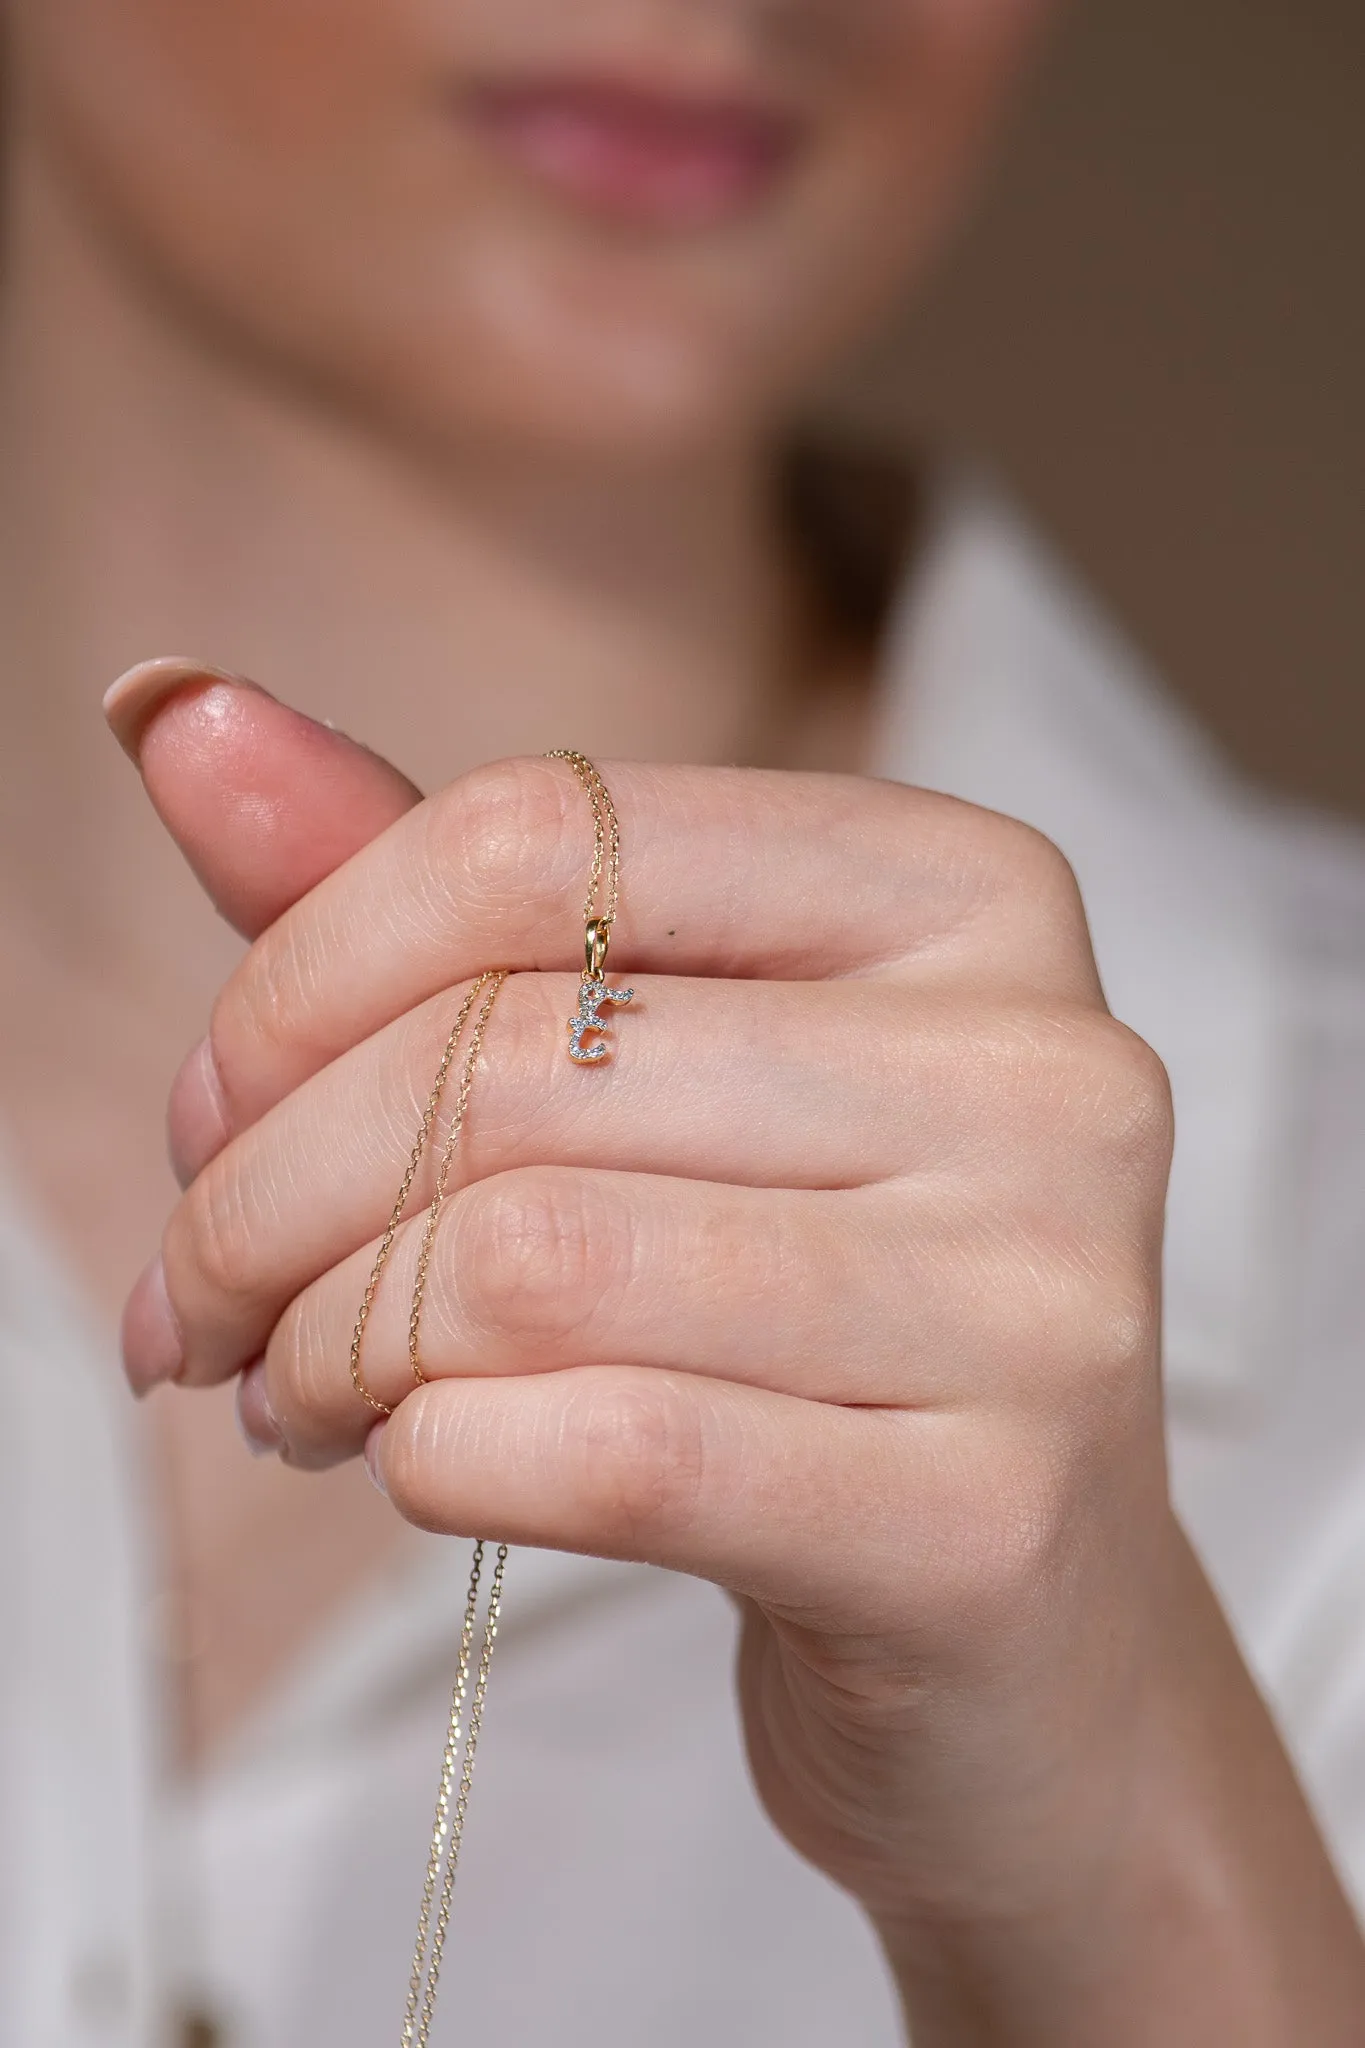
pixel 255 1416
pixel 152 1347
pixel 133 700
pixel 373 1449
pixel 197 1126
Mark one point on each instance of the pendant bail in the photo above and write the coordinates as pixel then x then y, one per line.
pixel 596 936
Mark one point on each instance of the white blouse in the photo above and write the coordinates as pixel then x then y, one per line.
pixel 620 1884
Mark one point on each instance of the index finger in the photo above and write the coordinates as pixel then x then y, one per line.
pixel 738 873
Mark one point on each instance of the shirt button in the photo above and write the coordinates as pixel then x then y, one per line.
pixel 198 2030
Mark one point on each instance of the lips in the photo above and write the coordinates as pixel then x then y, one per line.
pixel 637 154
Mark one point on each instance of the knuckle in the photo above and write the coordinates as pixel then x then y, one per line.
pixel 538 1250
pixel 423 1454
pixel 498 832
pixel 1106 1346
pixel 1007 1540
pixel 1125 1350
pixel 1130 1095
pixel 261 1012
pixel 642 1445
pixel 1073 1068
pixel 303 1374
pixel 1018 887
pixel 1038 864
pixel 210 1249
pixel 1023 861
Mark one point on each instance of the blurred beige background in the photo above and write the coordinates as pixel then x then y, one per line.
pixel 1156 329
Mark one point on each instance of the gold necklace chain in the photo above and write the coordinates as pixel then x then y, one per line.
pixel 491 980
pixel 606 832
pixel 447 1829
pixel 466 1706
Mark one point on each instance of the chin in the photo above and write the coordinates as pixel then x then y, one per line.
pixel 620 388
pixel 642 396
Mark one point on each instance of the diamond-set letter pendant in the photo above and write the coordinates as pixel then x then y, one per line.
pixel 592 994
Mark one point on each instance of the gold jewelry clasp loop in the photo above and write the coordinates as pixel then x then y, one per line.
pixel 596 937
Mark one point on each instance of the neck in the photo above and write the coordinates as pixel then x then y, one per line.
pixel 160 496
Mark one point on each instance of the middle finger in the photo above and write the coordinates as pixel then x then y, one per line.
pixel 798 1085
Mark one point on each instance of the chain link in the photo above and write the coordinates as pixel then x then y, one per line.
pixel 493 983
pixel 492 980
pixel 465 1721
pixel 447 1833
pixel 606 832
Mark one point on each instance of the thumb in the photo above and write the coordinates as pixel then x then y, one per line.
pixel 262 801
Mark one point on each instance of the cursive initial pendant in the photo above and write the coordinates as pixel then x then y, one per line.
pixel 592 993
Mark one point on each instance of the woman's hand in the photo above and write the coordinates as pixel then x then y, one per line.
pixel 839 1286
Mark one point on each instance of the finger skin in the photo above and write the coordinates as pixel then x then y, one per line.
pixel 728 873
pixel 720 1081
pixel 836 1296
pixel 262 801
pixel 770 1496
pixel 979 1705
pixel 731 1079
pixel 548 1268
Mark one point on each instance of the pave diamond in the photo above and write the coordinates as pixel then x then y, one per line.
pixel 591 996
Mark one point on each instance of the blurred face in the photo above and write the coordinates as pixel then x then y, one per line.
pixel 599 223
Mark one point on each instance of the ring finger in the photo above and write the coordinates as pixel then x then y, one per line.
pixel 548 1268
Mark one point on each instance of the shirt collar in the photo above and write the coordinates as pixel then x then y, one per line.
pixel 1004 686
